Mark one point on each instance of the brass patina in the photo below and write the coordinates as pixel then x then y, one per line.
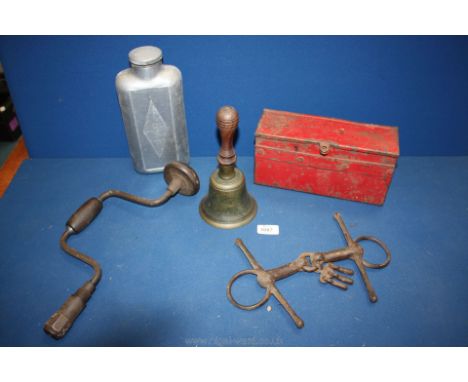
pixel 228 204
pixel 319 262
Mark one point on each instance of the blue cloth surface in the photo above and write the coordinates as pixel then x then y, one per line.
pixel 165 271
pixel 64 92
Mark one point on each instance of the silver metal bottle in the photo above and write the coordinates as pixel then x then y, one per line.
pixel 152 104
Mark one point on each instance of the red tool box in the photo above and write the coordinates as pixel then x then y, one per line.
pixel 325 156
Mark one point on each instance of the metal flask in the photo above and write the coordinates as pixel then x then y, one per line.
pixel 152 104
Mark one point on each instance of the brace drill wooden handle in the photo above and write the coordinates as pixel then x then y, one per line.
pixel 227 120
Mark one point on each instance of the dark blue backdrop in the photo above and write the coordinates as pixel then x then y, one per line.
pixel 63 87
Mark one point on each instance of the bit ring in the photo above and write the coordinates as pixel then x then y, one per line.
pixel 382 245
pixel 247 307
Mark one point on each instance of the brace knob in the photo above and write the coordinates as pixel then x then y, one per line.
pixel 227 120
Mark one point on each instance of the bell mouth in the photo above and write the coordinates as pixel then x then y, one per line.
pixel 228 205
pixel 234 222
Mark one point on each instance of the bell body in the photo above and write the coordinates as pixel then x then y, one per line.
pixel 152 104
pixel 228 204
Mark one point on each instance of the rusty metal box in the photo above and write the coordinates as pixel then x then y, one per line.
pixel 325 156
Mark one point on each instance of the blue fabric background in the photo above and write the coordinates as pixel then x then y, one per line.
pixel 165 271
pixel 63 87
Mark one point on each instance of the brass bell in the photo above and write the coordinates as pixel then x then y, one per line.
pixel 228 204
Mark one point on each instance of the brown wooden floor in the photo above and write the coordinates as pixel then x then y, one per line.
pixel 12 164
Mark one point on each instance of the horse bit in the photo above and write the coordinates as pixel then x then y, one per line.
pixel 318 262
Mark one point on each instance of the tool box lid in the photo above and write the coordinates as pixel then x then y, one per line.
pixel 347 135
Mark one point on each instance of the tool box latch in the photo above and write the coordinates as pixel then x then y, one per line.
pixel 324 148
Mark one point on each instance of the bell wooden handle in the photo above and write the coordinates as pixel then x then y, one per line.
pixel 227 120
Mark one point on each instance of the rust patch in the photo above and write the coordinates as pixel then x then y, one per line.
pixel 342 166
